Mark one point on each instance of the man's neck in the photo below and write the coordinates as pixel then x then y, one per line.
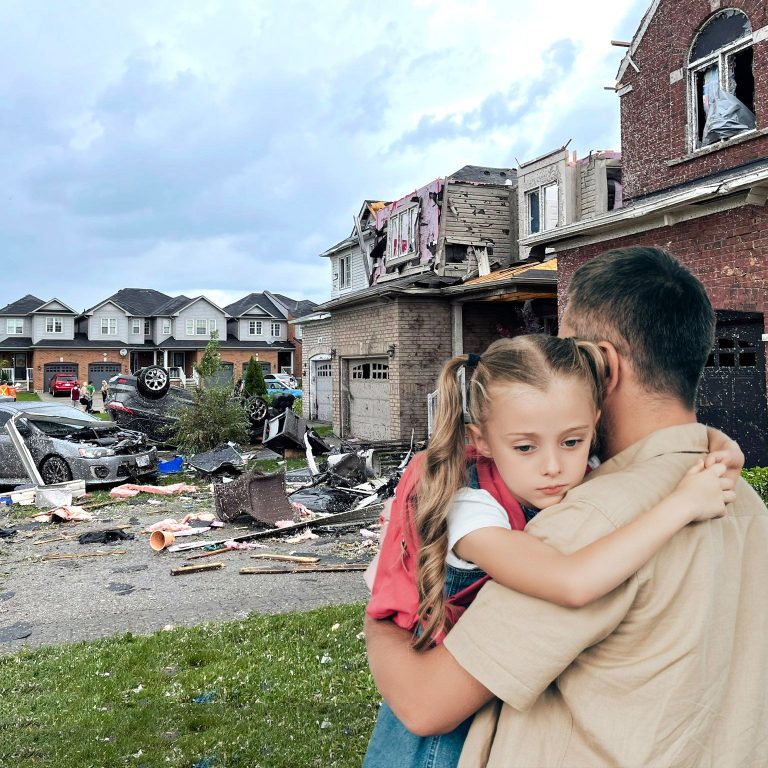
pixel 633 419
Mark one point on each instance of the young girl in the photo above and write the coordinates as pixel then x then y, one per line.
pixel 534 402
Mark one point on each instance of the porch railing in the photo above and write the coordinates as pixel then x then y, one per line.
pixel 22 385
pixel 178 373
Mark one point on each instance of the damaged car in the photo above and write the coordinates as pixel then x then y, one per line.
pixel 67 444
pixel 147 402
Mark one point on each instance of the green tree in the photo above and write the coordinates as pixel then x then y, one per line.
pixel 254 380
pixel 210 362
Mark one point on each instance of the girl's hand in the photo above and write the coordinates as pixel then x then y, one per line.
pixel 723 450
pixel 703 492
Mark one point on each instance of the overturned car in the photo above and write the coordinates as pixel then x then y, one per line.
pixel 148 403
pixel 67 444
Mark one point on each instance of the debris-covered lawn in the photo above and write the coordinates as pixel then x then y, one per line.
pixel 278 691
pixel 98 576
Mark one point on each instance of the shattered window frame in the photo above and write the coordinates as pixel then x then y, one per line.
pixel 724 60
pixel 109 326
pixel 395 241
pixel 54 325
pixel 14 326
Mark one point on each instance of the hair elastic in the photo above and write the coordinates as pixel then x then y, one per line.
pixel 472 360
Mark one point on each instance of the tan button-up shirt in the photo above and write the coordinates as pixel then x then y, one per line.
pixel 669 669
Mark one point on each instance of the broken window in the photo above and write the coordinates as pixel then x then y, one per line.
pixel 370 371
pixel 402 233
pixel 345 272
pixel 721 79
pixel 54 325
pixel 615 189
pixel 543 208
pixel 14 326
pixel 109 326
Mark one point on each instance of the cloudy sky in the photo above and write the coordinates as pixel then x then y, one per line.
pixel 218 146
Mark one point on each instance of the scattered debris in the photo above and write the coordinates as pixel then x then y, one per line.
pixel 182 569
pixel 84 554
pixel 306 559
pixel 334 567
pixel 171 466
pixel 106 536
pixel 224 458
pixel 303 536
pixel 64 514
pixel 160 540
pixel 258 495
pixel 128 490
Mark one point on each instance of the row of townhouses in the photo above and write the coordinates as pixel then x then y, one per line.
pixel 488 252
pixel 136 327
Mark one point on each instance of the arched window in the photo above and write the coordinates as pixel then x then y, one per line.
pixel 721 79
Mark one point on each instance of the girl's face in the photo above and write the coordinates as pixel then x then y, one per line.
pixel 539 439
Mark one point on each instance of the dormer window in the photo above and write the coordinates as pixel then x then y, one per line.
pixel 345 271
pixel 721 79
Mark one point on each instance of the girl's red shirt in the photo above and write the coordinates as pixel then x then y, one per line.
pixel 395 593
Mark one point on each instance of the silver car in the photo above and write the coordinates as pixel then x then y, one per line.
pixel 67 444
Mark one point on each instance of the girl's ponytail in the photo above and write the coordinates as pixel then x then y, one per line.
pixel 444 473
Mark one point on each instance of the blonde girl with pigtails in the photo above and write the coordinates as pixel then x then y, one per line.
pixel 461 506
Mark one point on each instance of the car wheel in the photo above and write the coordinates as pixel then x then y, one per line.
pixel 55 470
pixel 153 382
pixel 256 409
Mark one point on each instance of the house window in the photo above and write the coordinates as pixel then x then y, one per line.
pixel 542 208
pixel 54 325
pixel 147 330
pixel 402 233
pixel 166 327
pixel 721 79
pixel 109 326
pixel 345 271
pixel 136 326
pixel 200 327
pixel 298 332
pixel 275 329
pixel 254 327
pixel 14 326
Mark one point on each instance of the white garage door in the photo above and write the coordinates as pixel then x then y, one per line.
pixel 322 402
pixel 369 399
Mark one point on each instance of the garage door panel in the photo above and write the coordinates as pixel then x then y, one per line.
pixel 98 372
pixel 49 369
pixel 369 399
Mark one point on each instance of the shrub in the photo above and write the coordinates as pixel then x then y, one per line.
pixel 210 362
pixel 254 380
pixel 213 418
pixel 757 477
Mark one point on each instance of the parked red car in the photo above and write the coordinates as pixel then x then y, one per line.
pixel 62 383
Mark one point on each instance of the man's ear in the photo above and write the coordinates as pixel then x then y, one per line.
pixel 479 441
pixel 613 361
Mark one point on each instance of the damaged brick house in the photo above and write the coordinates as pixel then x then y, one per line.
pixel 136 327
pixel 430 274
pixel 693 87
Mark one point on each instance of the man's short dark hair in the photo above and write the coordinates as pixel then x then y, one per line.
pixel 652 309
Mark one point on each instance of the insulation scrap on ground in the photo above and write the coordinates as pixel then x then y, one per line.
pixel 127 490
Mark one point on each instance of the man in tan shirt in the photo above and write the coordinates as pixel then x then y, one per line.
pixel 669 669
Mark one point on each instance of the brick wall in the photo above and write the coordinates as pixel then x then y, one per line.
pixel 727 251
pixel 81 357
pixel 654 114
pixel 240 356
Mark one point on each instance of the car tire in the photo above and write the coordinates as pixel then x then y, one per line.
pixel 256 409
pixel 55 470
pixel 153 382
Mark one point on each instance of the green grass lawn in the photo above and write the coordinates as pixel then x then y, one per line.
pixel 22 397
pixel 289 690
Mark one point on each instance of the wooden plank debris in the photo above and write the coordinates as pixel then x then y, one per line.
pixel 79 556
pixel 308 568
pixel 182 569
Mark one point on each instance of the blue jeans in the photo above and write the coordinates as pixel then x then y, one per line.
pixel 392 744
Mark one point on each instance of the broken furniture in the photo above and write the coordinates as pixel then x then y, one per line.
pixel 223 458
pixel 259 495
pixel 287 430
